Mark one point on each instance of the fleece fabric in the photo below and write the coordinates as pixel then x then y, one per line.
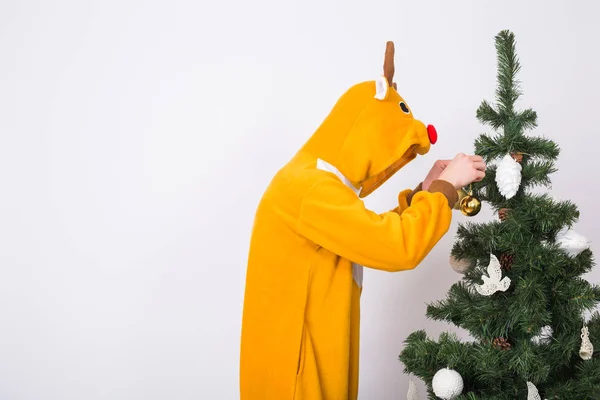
pixel 312 235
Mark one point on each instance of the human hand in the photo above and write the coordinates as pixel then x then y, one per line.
pixel 435 172
pixel 463 170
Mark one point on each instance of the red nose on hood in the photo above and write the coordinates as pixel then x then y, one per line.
pixel 432 133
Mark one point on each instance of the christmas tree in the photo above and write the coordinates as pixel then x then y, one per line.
pixel 531 315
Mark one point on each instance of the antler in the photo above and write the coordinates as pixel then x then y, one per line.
pixel 388 64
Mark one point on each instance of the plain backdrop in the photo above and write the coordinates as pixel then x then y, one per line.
pixel 136 138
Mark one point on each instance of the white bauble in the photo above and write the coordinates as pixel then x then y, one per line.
pixel 508 176
pixel 459 265
pixel 447 384
pixel 571 242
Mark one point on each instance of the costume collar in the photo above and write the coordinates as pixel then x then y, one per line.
pixel 325 166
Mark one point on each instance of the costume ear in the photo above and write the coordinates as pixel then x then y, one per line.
pixel 383 83
pixel 382 88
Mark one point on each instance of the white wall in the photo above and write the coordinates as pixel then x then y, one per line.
pixel 136 138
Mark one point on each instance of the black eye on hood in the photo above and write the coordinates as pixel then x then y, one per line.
pixel 404 107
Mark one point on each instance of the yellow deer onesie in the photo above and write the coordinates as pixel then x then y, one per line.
pixel 312 235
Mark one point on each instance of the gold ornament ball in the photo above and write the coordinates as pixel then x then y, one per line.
pixel 461 195
pixel 470 205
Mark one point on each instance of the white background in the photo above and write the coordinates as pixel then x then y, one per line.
pixel 138 136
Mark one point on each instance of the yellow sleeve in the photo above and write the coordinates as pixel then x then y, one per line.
pixel 333 217
pixel 405 198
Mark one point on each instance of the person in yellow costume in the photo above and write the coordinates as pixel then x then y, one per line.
pixel 312 236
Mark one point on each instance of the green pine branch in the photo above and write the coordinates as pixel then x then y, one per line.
pixel 508 91
pixel 492 148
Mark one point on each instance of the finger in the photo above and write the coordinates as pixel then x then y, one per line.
pixel 443 164
pixel 476 158
pixel 480 166
pixel 479 175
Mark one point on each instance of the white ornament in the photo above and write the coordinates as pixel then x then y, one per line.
pixel 508 176
pixel 532 392
pixel 493 282
pixel 458 265
pixel 544 337
pixel 412 391
pixel 586 351
pixel 571 242
pixel 447 384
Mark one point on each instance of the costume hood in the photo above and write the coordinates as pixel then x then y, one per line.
pixel 371 132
